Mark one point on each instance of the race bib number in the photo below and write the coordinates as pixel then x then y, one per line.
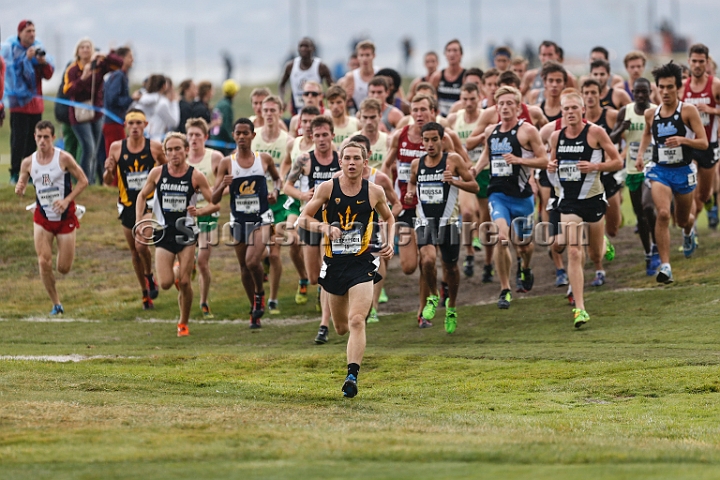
pixel 475 153
pixel 136 180
pixel 716 154
pixel 247 204
pixel 403 171
pixel 48 196
pixel 568 171
pixel 431 193
pixel 705 118
pixel 288 203
pixel 692 179
pixel 267 217
pixel 348 244
pixel 174 202
pixel 635 148
pixel 421 222
pixel 669 155
pixel 500 168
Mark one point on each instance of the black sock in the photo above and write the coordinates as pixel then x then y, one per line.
pixel 324 329
pixel 145 293
pixel 149 276
pixel 353 369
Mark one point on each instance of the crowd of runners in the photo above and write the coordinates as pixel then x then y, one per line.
pixel 500 162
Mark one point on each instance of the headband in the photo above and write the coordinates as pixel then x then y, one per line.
pixel 135 116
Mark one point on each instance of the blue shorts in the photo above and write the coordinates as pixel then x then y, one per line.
pixel 509 208
pixel 681 180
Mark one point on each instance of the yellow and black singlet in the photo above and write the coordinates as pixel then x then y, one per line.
pixel 354 216
pixel 132 172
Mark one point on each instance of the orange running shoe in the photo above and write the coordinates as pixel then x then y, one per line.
pixel 183 330
pixel 147 303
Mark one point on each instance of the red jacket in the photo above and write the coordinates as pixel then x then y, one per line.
pixel 79 90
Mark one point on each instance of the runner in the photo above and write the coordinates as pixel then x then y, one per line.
pixel 313 97
pixel 501 58
pixel 205 161
pixel 303 68
pixel 175 186
pixel 547 52
pixel 370 111
pixel 629 127
pixel 348 267
pixel 431 64
pixel 612 97
pixel 448 81
pixel 356 81
pixel 310 170
pixel 514 149
pixel 601 53
pixel 54 217
pixel 272 140
pixel 300 144
pixel 519 66
pixel 405 146
pixel 464 122
pixel 703 91
pixel 244 172
pixel 390 116
pixel 474 76
pixel 129 162
pixel 344 124
pixel 612 181
pixel 675 129
pixel 554 78
pixel 579 151
pixel 375 176
pixel 435 179
pixel 635 63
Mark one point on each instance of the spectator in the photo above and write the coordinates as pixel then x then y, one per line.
pixel 201 107
pixel 160 106
pixel 62 115
pixel 84 84
pixel 2 89
pixel 26 66
pixel 188 92
pixel 118 98
pixel 224 113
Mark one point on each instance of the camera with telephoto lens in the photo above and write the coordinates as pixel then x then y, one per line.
pixel 40 52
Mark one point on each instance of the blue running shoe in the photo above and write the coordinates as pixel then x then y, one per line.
pixel 349 388
pixel 561 278
pixel 57 310
pixel 650 270
pixel 689 244
pixel 599 279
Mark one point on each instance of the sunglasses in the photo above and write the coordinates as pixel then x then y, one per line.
pixel 311 94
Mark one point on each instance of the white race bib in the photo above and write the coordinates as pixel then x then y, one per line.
pixel 475 153
pixel 348 244
pixel 174 202
pixel 48 196
pixel 136 180
pixel 247 204
pixel 705 118
pixel 403 171
pixel 668 156
pixel 500 168
pixel 431 193
pixel 635 148
pixel 716 153
pixel 568 171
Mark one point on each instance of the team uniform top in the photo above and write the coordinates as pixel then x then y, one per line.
pixel 710 122
pixel 296 151
pixel 173 196
pixel 318 174
pixel 438 200
pixel 51 184
pixel 354 216
pixel 663 128
pixel 575 185
pixel 607 100
pixel 205 167
pixel 249 193
pixel 360 92
pixel 550 118
pixel 342 133
pixel 275 149
pixel 407 152
pixel 448 92
pixel 510 180
pixel 633 137
pixel 298 77
pixel 132 172
pixel 379 150
pixel 464 129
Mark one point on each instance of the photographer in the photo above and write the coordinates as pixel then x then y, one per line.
pixel 84 83
pixel 26 66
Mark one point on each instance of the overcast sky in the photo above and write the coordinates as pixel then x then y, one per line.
pixel 170 37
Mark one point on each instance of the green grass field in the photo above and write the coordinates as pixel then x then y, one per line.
pixel 512 394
